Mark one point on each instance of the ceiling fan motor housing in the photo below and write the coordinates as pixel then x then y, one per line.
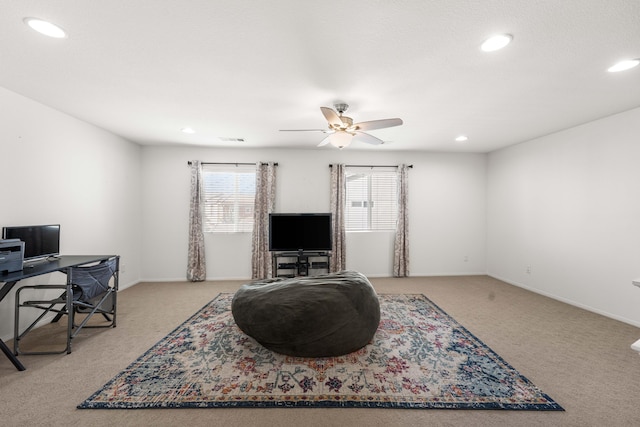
pixel 341 107
pixel 346 122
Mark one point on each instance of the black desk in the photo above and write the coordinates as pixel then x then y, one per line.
pixel 39 268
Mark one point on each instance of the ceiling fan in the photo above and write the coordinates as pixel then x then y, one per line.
pixel 342 130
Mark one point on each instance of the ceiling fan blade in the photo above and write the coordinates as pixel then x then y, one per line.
pixel 303 130
pixel 377 124
pixel 369 139
pixel 332 117
pixel 324 142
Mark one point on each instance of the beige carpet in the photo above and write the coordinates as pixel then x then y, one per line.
pixel 581 359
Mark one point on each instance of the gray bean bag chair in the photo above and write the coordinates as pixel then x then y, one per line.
pixel 316 316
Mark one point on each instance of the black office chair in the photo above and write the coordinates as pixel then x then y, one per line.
pixel 89 290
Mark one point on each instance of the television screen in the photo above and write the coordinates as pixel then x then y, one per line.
pixel 40 241
pixel 300 232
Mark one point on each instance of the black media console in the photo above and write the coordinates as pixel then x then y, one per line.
pixel 292 264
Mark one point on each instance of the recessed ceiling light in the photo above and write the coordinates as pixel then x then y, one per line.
pixel 624 65
pixel 46 28
pixel 462 138
pixel 496 42
pixel 187 130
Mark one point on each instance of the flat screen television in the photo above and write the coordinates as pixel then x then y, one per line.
pixel 40 241
pixel 300 232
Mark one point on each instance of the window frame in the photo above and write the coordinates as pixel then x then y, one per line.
pixel 241 202
pixel 385 199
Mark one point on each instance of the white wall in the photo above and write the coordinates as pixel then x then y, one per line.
pixel 57 169
pixel 568 206
pixel 447 210
pixel 565 205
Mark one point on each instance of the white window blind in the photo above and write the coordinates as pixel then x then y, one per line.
pixel 228 198
pixel 371 199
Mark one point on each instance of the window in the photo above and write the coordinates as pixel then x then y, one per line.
pixel 371 200
pixel 228 198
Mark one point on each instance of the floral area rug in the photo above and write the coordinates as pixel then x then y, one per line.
pixel 419 358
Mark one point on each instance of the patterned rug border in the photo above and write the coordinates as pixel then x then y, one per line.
pixel 342 401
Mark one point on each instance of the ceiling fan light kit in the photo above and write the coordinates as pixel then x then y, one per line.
pixel 342 130
pixel 341 139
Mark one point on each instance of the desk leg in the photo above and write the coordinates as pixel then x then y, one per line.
pixel 19 366
pixel 3 293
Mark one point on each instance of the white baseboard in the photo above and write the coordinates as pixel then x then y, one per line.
pixel 568 301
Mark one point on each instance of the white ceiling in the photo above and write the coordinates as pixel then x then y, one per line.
pixel 144 69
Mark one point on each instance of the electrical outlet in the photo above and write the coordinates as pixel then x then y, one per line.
pixel 123 268
pixel 528 269
pixel 466 258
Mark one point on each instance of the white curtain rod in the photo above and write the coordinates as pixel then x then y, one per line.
pixel 228 163
pixel 372 166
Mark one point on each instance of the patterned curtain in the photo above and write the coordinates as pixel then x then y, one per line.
pixel 264 204
pixel 196 265
pixel 338 201
pixel 401 246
